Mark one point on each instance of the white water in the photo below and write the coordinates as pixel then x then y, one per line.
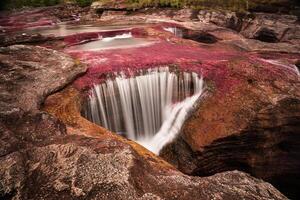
pixel 176 31
pixel 121 36
pixel 62 29
pixel 125 40
pixel 149 108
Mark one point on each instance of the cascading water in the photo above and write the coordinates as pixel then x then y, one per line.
pixel 149 108
pixel 175 30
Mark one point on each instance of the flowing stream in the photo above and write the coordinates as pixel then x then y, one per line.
pixel 149 108
pixel 125 40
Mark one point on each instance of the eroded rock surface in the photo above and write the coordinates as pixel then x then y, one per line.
pixel 46 158
pixel 28 74
pixel 248 121
pixel 252 128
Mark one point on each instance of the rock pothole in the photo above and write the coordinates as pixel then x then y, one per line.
pixel 149 107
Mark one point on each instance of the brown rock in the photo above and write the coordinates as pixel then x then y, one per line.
pixel 109 5
pixel 22 38
pixel 253 128
pixel 41 160
pixel 28 74
pixel 272 28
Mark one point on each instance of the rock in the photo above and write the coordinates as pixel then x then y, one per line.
pixel 266 35
pixel 28 74
pixel 272 27
pixel 298 64
pixel 55 153
pixel 219 18
pixel 199 36
pixel 43 157
pixel 185 15
pixel 37 17
pixel 81 167
pixel 109 5
pixel 23 38
pixel 254 128
pixel 259 46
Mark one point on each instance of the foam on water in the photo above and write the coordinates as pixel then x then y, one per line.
pixel 121 36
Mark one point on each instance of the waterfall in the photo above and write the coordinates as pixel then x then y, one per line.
pixel 121 36
pixel 149 108
pixel 176 31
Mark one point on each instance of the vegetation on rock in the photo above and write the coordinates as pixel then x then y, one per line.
pixel 235 5
pixel 10 4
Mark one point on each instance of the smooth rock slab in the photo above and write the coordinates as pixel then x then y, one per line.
pixel 28 74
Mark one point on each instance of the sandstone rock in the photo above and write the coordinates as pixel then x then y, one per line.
pixel 62 155
pixel 29 74
pixel 22 38
pixel 253 128
pixel 41 160
pixel 266 35
pixel 80 167
pixel 109 5
pixel 185 15
pixel 259 46
pixel 200 36
pixel 282 28
pixel 298 64
pixel 37 17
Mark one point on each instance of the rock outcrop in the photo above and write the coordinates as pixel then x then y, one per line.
pixel 252 128
pixel 249 121
pixel 43 157
pixel 29 74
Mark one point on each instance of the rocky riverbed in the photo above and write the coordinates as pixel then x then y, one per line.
pixel 248 119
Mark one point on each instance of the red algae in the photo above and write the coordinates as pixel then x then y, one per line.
pixel 90 36
pixel 23 20
pixel 198 59
pixel 213 62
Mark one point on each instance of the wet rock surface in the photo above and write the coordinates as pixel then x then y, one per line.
pixel 42 158
pixel 252 128
pixel 249 121
pixel 265 27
